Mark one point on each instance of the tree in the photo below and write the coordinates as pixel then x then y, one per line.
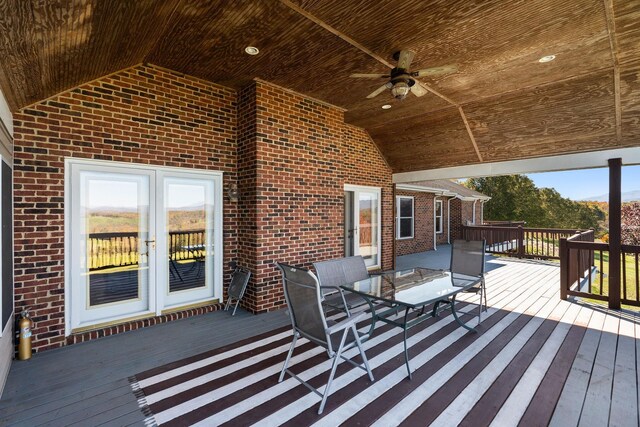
pixel 515 197
pixel 630 227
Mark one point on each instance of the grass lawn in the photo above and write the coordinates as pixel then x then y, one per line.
pixel 630 271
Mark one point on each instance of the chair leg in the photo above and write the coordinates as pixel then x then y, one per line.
pixel 286 362
pixel 235 308
pixel 336 358
pixel 227 304
pixel 480 306
pixel 362 354
pixel 484 289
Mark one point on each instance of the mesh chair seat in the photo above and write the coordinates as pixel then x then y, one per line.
pixel 302 293
pixel 337 272
pixel 467 258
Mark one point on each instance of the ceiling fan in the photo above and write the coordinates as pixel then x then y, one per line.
pixel 401 80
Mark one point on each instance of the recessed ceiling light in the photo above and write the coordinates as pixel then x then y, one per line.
pixel 251 50
pixel 547 58
pixel 386 106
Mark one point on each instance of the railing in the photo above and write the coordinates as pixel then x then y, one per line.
pixel 518 241
pixel 630 278
pixel 107 250
pixel 584 270
pixel 504 223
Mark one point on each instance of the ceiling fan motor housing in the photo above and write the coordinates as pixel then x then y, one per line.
pixel 400 75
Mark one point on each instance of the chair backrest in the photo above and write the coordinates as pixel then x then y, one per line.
pixel 239 281
pixel 336 272
pixel 302 293
pixel 467 257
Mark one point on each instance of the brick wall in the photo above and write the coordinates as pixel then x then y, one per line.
pixel 304 155
pixel 143 115
pixel 422 226
pixel 479 207
pixel 289 155
pixel 466 212
pixel 456 219
pixel 461 212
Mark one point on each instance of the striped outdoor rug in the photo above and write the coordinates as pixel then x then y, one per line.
pixel 238 384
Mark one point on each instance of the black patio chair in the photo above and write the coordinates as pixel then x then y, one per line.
pixel 467 259
pixel 239 280
pixel 302 293
pixel 336 272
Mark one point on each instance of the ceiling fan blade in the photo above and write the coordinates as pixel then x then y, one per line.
pixel 405 58
pixel 435 71
pixel 369 76
pixel 418 90
pixel 379 90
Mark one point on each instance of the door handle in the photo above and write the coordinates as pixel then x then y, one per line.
pixel 151 243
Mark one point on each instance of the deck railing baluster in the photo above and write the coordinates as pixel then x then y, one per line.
pixel 623 256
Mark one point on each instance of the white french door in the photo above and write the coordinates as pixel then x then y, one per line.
pixel 363 223
pixel 139 240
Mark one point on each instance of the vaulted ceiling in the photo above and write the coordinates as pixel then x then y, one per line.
pixel 502 104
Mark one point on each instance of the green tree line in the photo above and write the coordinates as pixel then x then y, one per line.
pixel 516 197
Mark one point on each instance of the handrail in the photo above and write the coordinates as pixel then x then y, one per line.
pixel 521 242
pixel 583 274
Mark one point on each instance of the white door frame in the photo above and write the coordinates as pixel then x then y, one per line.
pixel 155 303
pixel 182 297
pixel 356 220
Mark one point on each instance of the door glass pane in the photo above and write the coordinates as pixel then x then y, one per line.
pixel 369 220
pixel 189 213
pixel 115 232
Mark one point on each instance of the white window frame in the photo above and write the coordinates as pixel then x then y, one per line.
pixel 9 163
pixel 398 217
pixel 378 191
pixel 438 219
pixel 158 303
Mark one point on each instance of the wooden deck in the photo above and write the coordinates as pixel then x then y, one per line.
pixel 536 360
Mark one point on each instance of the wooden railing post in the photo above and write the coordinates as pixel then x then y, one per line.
pixel 520 242
pixel 615 220
pixel 564 267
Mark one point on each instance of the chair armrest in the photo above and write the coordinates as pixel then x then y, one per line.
pixel 344 324
pixel 380 273
pixel 335 288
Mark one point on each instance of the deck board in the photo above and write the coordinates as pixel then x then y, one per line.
pixel 537 360
pixel 624 407
pixel 597 403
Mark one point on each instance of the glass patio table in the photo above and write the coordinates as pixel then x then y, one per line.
pixel 410 290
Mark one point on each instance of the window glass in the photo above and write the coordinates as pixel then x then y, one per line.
pixel 404 216
pixel 406 207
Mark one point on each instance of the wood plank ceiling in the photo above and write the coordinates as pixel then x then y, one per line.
pixel 514 106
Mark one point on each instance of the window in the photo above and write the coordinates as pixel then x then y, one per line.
pixel 404 214
pixel 438 219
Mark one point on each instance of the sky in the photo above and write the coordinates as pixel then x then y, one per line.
pixel 586 183
pixel 129 192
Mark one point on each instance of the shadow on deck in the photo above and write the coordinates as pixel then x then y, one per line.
pixel 536 360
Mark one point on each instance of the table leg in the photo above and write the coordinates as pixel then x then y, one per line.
pixel 406 350
pixel 455 315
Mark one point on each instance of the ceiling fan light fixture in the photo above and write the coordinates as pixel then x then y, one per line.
pixel 400 90
pixel 252 50
pixel 547 58
pixel 386 106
